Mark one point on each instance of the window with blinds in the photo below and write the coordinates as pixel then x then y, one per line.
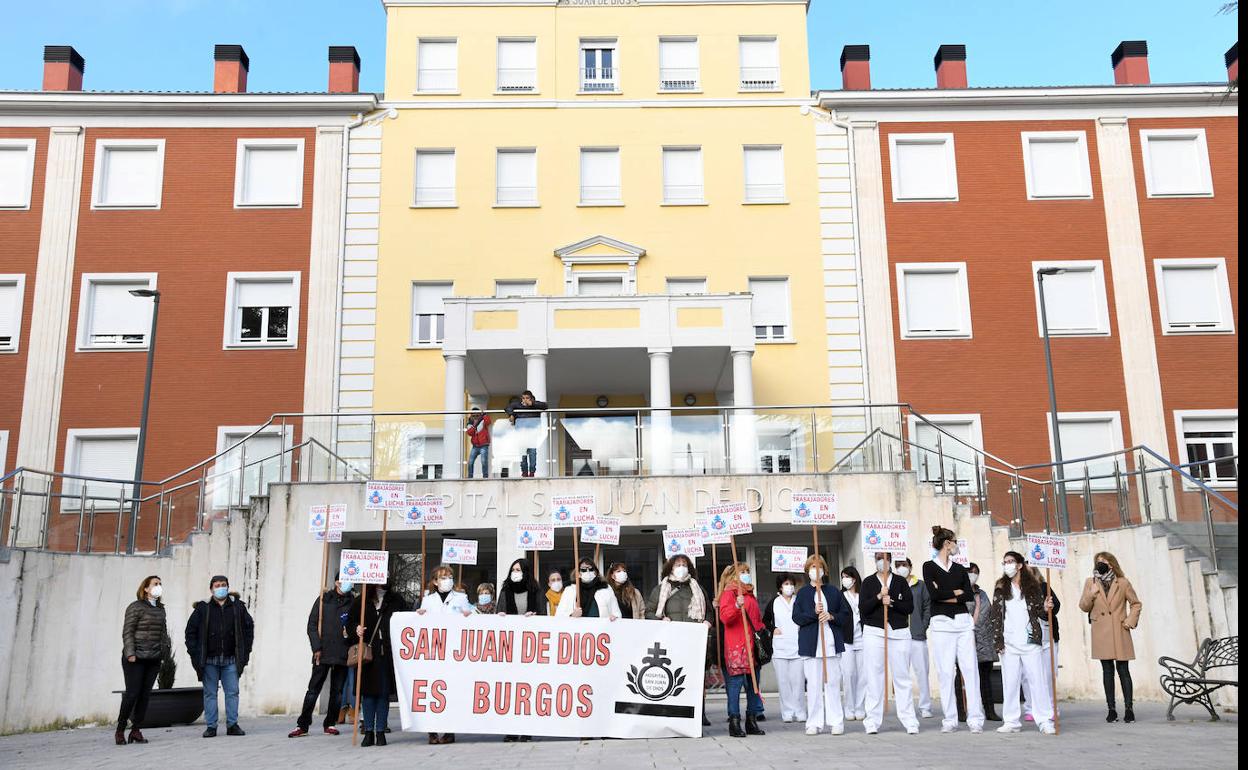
pixel 517 65
pixel 600 69
pixel 1176 162
pixel 1056 164
pixel 264 310
pixel 17 166
pixel 112 318
pixel 128 173
pixel 1074 300
pixel 923 167
pixel 504 289
pixel 944 450
pixel 600 176
pixel 764 174
pixel 437 66
pixel 678 64
pixel 99 455
pixel 269 173
pixel 1194 296
pixel 435 178
pixel 933 300
pixel 769 309
pixel 760 63
pixel 12 287
pixel 1085 435
pixel 686 286
pixel 516 177
pixel 682 175
pixel 428 312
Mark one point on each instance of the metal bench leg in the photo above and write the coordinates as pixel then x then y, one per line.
pixel 1170 711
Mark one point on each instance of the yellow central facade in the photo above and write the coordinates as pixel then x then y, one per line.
pixel 598 155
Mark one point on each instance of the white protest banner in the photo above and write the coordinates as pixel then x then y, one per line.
pixel 459 551
pixel 963 556
pixel 384 495
pixel 735 515
pixel 710 534
pixel 535 537
pixel 319 514
pixel 604 530
pixel 890 535
pixel 566 677
pixel 786 558
pixel 814 508
pixel 424 511
pixel 360 566
pixel 682 541
pixel 333 536
pixel 1046 551
pixel 573 510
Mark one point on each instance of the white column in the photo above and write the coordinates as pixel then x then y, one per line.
pixel 660 460
pixel 744 441
pixel 452 426
pixel 535 381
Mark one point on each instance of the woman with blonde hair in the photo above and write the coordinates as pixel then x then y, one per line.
pixel 1113 611
pixel 821 612
pixel 442 596
pixel 144 644
pixel 626 595
pixel 738 609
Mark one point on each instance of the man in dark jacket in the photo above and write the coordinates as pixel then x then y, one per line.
pixel 219 635
pixel 524 414
pixel 329 656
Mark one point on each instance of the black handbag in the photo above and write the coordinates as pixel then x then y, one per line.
pixel 763 648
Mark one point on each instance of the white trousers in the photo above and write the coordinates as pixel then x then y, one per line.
pixel 918 664
pixel 898 671
pixel 853 681
pixel 957 647
pixel 1027 669
pixel 1048 679
pixel 823 709
pixel 792 684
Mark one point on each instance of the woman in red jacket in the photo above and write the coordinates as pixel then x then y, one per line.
pixel 736 598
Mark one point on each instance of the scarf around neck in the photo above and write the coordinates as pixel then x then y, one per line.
pixel 697 601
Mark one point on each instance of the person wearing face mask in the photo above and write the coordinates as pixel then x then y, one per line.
pixel 679 599
pixel 920 619
pixel 952 632
pixel 597 600
pixel 441 597
pixel 485 600
pixel 821 612
pixel 985 646
pixel 144 643
pixel 219 635
pixel 520 593
pixel 1020 608
pixel 329 656
pixel 785 659
pixel 880 590
pixel 369 622
pixel 626 595
pixel 737 602
pixel 852 673
pixel 554 592
pixel 1054 637
pixel 1113 611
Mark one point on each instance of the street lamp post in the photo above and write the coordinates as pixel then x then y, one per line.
pixel 1059 489
pixel 147 397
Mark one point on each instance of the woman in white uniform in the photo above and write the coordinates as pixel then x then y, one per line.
pixel 851 662
pixel 443 597
pixel 778 618
pixel 951 633
pixel 880 591
pixel 1020 611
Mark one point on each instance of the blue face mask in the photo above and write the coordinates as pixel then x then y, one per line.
pixel 345 586
pixel 484 599
pixel 220 592
pixel 747 579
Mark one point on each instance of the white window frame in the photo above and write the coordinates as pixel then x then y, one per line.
pixel 701 199
pixel 685 279
pixel 595 43
pixel 1082 187
pixel 580 177
pixel 498 85
pixel 1097 268
pixel 965 331
pixel 975 422
pixel 951 162
pixel 86 294
pixel 102 146
pixel 454 201
pixel 19 282
pixel 28 178
pixel 1074 484
pixel 1226 310
pixel 1202 148
pixel 1180 415
pixel 627 288
pixel 788 311
pixel 423 432
pixel 697 74
pixel 501 284
pixel 533 202
pixel 783 198
pixel 231 285
pixel 4 450
pixel 454 89
pixel 239 432
pixel 73 457
pixel 741 81
pixel 413 343
pixel 240 175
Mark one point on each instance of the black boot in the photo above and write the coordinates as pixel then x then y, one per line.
pixel 120 737
pixel 1112 716
pixel 369 739
pixel 706 721
pixel 381 738
pixel 751 725
pixel 1129 716
pixel 990 713
pixel 734 727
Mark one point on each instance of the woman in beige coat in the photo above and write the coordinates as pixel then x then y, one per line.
pixel 1113 610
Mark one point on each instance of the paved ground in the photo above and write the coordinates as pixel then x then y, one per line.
pixel 1086 740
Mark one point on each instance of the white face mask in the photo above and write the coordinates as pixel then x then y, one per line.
pixel 815 574
pixel 880 565
pixel 445 584
pixel 680 573
pixel 1010 569
pixel 621 577
pixel 903 572
pixel 589 577
pixel 787 589
pixel 973 577
pixel 556 586
pixel 156 591
pixel 847 583
pixel 517 576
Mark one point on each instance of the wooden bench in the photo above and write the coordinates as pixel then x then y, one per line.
pixel 1191 683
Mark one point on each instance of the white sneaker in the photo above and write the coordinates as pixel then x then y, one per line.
pixel 1012 729
pixel 838 730
pixel 812 730
pixel 861 716
pixel 948 728
pixel 976 729
pixel 800 718
pixel 926 713
pixel 912 731
pixel 786 720
pixel 872 729
pixel 1047 728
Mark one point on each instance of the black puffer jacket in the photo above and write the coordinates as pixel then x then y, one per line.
pixel 331 642
pixel 144 633
pixel 197 634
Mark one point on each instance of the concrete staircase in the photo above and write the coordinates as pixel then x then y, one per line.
pixel 1193 538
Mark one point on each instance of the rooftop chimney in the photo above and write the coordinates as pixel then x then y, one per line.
pixel 1232 63
pixel 951 66
pixel 856 68
pixel 62 68
pixel 1130 61
pixel 344 69
pixel 230 72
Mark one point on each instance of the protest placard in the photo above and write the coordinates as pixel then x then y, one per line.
pixel 604 530
pixel 735 515
pixel 816 508
pixel 786 558
pixel 535 537
pixel 682 541
pixel 384 495
pixel 1046 551
pixel 573 510
pixel 455 551
pixel 364 567
pixel 424 511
